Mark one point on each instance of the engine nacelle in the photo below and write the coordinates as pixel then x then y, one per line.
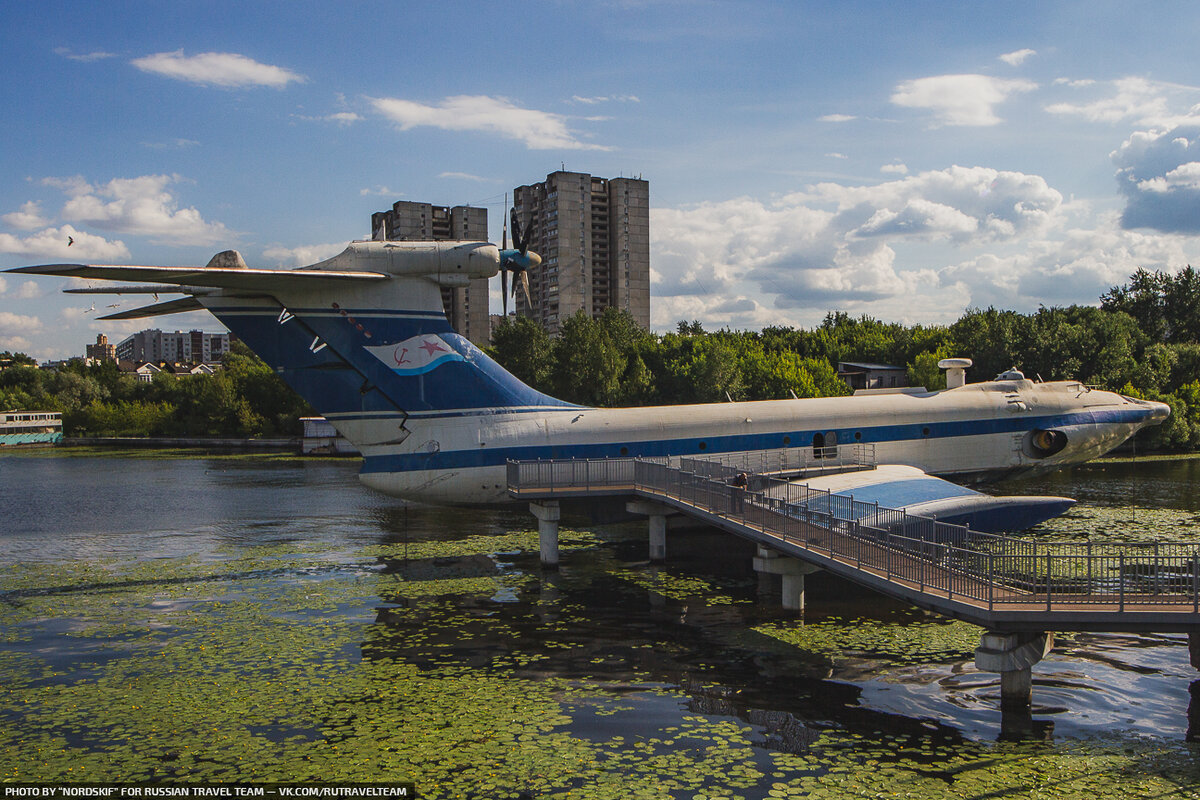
pixel 447 263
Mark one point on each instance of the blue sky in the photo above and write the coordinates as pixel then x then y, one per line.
pixel 901 160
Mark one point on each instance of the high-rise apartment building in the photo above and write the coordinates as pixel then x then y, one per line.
pixel 593 235
pixel 191 347
pixel 466 307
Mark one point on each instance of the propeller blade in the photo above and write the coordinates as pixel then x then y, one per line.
pixel 504 289
pixel 519 242
pixel 525 286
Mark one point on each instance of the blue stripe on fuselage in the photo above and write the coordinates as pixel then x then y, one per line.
pixel 458 459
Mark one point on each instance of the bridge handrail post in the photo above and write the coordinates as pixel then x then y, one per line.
pixel 1048 570
pixel 949 572
pixel 1196 581
pixel 921 570
pixel 991 582
pixel 1089 560
pixel 1156 574
pixel 1121 580
pixel 857 543
pixel 888 556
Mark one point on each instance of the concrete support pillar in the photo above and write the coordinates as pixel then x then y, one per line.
pixel 658 525
pixel 658 537
pixel 792 571
pixel 1013 656
pixel 548 514
pixel 793 592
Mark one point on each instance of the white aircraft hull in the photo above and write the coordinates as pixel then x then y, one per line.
pixel 967 433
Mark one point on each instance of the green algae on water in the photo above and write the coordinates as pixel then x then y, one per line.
pixel 286 663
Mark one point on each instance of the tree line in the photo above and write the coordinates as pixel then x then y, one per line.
pixel 244 399
pixel 1143 341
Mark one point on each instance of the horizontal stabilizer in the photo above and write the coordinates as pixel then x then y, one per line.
pixel 158 309
pixel 216 277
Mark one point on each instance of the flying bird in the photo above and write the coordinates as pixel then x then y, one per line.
pixel 70 241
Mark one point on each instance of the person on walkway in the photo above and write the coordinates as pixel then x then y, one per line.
pixel 737 493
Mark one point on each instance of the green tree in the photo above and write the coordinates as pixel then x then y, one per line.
pixel 523 347
pixel 1144 299
pixel 587 364
pixel 705 372
pixel 992 339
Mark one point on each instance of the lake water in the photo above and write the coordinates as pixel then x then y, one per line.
pixel 176 618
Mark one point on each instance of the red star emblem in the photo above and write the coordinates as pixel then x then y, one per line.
pixel 431 347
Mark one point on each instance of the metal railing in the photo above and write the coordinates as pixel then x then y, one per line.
pixel 785 460
pixel 935 557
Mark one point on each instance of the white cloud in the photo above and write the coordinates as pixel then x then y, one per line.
pixel 343 118
pixel 834 246
pixel 1137 99
pixel 98 55
pixel 18 344
pixel 836 118
pixel 1078 265
pixel 956 203
pixel 837 155
pixel 466 176
pixel 1185 176
pixel 304 255
pixel 141 206
pixel 617 98
pixel 26 291
pixel 1159 175
pixel 1074 84
pixel 17 324
pixel 379 191
pixel 227 70
pixel 56 243
pixel 179 144
pixel 968 100
pixel 28 218
pixel 538 130
pixel 1017 57
pixel 894 168
pixel 72 186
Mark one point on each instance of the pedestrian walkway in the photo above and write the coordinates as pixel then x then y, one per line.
pixel 998 582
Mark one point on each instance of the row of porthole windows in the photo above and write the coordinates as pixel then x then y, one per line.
pixel 824 444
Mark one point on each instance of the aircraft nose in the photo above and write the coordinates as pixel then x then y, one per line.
pixel 1158 411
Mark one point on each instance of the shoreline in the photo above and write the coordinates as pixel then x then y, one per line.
pixel 289 444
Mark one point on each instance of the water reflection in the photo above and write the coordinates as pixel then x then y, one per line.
pixel 457 588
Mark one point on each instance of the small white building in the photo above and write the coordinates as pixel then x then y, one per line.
pixel 320 437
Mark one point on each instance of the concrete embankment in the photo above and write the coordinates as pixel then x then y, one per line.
pixel 290 445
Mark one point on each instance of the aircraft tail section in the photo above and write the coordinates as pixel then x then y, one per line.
pixel 351 355
pixel 361 335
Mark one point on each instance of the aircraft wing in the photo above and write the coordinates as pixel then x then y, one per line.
pixel 214 277
pixel 168 307
pixel 909 489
